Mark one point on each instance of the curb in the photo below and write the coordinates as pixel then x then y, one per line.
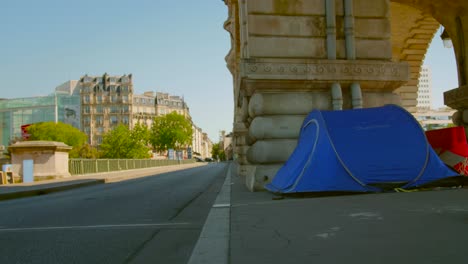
pixel 100 178
pixel 42 191
pixel 213 244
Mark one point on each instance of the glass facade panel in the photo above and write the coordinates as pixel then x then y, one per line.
pixel 21 111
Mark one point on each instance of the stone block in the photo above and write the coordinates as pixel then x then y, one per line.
pixel 271 151
pixel 407 89
pixel 290 47
pixel 276 127
pixel 288 103
pixel 374 8
pixel 372 28
pixel 408 102
pixel 262 175
pixel 465 116
pixel 367 49
pixel 312 26
pixel 408 95
pixel 376 99
pixel 287 7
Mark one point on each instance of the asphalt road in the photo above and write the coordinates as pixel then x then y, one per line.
pixel 156 219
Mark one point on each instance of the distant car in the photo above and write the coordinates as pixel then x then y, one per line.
pixel 209 159
pixel 197 159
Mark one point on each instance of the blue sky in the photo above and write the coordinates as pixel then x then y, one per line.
pixel 169 46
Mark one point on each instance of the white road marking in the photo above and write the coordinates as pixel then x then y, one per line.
pixel 47 228
pixel 221 205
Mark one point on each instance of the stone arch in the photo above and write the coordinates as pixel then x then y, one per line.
pixel 453 16
pixel 412 33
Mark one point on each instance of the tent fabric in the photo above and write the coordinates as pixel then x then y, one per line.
pixel 359 150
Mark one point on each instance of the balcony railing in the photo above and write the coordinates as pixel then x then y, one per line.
pixel 88 166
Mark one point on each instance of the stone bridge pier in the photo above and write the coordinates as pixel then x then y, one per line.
pixel 290 57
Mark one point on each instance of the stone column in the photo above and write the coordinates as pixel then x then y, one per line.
pixel 282 70
pixel 50 158
pixel 458 98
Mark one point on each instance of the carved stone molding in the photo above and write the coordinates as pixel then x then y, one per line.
pixel 324 70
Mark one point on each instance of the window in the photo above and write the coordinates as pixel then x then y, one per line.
pixel 99 109
pixel 124 99
pixel 125 120
pixel 86 109
pixel 99 120
pixel 86 99
pixel 113 120
pixel 114 109
pixel 87 120
pixel 99 99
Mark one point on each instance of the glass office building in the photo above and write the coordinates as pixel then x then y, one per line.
pixel 22 111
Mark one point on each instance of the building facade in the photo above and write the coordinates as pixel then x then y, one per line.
pixel 435 118
pixel 425 89
pixel 143 107
pixel 95 105
pixel 14 113
pixel 106 101
pixel 166 103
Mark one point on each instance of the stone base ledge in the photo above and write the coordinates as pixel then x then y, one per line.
pixel 457 98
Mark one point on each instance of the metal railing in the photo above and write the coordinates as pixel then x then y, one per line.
pixel 87 166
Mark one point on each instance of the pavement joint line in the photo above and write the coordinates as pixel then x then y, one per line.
pixel 213 244
pixel 92 227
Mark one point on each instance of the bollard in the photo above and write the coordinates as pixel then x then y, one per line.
pixel 2 178
pixel 9 177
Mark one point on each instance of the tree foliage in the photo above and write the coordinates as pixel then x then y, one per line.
pixel 171 131
pixel 123 143
pixel 60 132
pixel 217 152
pixel 51 131
pixel 85 151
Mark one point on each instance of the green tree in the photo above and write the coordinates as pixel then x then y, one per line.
pixel 51 131
pixel 171 131
pixel 86 151
pixel 123 143
pixel 217 152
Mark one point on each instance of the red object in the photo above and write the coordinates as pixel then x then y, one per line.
pixel 24 131
pixel 451 139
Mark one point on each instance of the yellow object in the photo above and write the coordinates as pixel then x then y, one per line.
pixel 3 178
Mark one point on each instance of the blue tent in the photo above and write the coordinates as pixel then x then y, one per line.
pixel 359 150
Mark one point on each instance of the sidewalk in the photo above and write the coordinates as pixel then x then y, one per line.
pixel 13 191
pixel 416 227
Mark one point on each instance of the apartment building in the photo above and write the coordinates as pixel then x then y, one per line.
pixel 424 100
pixel 106 101
pixel 166 103
pixel 144 110
pixel 95 104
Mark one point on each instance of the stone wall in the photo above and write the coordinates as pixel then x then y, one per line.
pixel 50 158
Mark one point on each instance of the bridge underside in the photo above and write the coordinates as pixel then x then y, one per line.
pixel 289 57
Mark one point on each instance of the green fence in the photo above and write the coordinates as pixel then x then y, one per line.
pixel 86 166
